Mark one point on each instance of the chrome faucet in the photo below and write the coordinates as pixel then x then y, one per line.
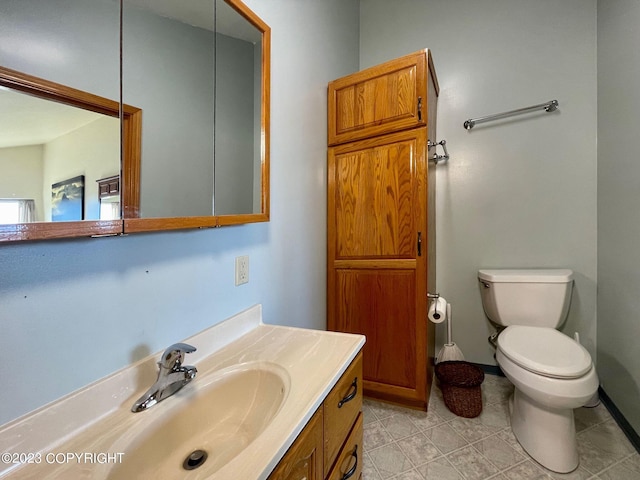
pixel 171 377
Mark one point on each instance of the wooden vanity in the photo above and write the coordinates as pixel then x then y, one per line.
pixel 330 446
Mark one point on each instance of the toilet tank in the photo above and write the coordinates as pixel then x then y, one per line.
pixel 533 297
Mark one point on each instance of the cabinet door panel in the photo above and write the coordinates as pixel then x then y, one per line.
pixel 375 192
pixel 377 259
pixel 303 461
pixel 381 305
pixel 379 100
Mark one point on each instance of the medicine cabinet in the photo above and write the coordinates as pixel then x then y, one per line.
pixel 131 116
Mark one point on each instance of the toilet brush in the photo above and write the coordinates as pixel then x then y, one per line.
pixel 449 350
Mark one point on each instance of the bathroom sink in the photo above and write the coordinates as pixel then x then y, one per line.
pixel 206 424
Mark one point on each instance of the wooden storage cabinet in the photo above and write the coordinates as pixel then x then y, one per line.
pixel 381 222
pixel 386 98
pixel 330 445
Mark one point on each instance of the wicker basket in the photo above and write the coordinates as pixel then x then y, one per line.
pixel 460 384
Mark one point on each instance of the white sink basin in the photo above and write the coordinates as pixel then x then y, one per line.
pixel 257 386
pixel 219 414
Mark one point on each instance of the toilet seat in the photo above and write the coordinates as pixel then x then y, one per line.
pixel 544 351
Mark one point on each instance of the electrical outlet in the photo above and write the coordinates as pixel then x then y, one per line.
pixel 242 270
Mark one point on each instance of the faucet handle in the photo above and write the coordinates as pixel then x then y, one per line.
pixel 173 356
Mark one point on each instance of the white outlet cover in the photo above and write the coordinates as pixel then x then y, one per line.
pixel 242 270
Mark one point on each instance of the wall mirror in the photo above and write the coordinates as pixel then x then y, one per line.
pixel 193 152
pixel 59 116
pixel 200 73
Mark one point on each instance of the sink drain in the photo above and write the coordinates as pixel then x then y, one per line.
pixel 194 460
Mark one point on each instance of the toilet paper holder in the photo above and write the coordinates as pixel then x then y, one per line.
pixel 433 295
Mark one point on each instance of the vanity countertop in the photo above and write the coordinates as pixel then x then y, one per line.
pixel 98 418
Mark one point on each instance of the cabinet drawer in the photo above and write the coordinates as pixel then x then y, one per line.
pixel 351 457
pixel 341 408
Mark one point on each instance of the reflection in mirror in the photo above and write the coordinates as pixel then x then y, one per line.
pixel 205 96
pixel 42 145
pixel 49 52
pixel 237 113
pixel 168 71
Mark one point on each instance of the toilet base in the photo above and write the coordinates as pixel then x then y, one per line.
pixel 548 435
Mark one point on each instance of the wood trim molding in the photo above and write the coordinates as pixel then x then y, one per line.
pixel 130 161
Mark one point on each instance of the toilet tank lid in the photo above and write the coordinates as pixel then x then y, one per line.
pixel 532 275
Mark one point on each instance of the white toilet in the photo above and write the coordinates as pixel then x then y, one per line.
pixel 551 372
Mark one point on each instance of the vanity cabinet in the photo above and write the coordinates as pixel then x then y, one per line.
pixel 381 222
pixel 330 445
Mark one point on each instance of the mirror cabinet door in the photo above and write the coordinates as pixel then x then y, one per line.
pixel 201 77
pixel 190 85
pixel 59 117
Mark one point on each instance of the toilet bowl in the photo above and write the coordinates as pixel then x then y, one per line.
pixel 541 409
pixel 551 372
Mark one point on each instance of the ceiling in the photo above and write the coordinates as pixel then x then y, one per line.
pixel 34 121
pixel 200 13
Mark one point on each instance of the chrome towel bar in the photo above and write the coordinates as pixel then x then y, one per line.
pixel 548 107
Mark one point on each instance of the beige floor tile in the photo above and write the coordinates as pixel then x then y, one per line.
pixel 588 417
pixel 602 445
pixel 375 436
pixel 410 475
pixel 471 464
pixel 628 469
pixel 579 473
pixel 382 410
pixel 472 429
pixel 408 444
pixel 498 452
pixel 439 469
pixel 445 438
pixel 419 449
pixel 425 420
pixel 399 426
pixel 369 471
pixel 526 470
pixel 390 461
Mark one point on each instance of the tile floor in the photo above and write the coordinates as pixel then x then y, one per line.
pixel 400 443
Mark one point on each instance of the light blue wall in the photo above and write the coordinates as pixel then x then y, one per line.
pixel 618 204
pixel 73 311
pixel 517 193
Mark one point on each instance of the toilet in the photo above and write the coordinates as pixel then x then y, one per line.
pixel 551 372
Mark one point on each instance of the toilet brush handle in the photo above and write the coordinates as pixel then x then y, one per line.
pixel 449 323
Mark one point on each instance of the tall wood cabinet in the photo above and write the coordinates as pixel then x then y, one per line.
pixel 381 221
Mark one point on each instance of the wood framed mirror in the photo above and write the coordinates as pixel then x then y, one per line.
pixel 55 143
pixel 205 131
pixel 198 134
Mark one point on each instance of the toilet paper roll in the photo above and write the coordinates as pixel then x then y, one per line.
pixel 438 310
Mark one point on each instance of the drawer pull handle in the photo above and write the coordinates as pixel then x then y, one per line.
pixel 353 469
pixel 350 396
